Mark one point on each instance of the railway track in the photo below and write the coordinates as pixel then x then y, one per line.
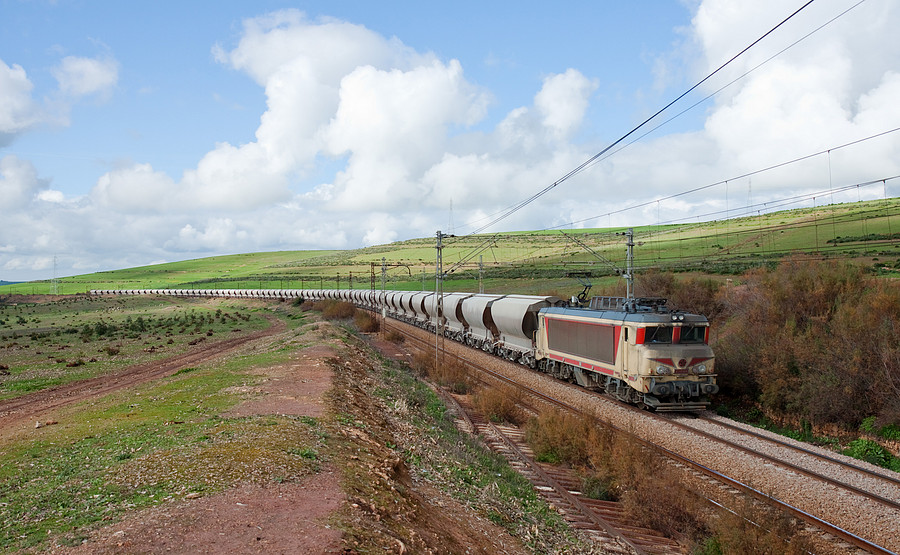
pixel 840 536
pixel 605 522
pixel 873 485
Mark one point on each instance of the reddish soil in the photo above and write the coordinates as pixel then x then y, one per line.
pixel 362 499
pixel 268 518
pixel 271 518
pixel 19 414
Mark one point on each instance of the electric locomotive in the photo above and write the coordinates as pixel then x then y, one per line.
pixel 635 349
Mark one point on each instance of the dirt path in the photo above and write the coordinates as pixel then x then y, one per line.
pixel 289 518
pixel 19 414
pixel 362 499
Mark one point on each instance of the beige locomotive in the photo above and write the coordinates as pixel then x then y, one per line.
pixel 636 350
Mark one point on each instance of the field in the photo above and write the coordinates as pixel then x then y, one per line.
pixel 69 470
pixel 531 262
pixel 75 338
pixel 104 456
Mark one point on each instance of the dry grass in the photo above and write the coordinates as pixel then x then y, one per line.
pixel 557 436
pixel 338 310
pixel 756 529
pixel 500 404
pixel 614 467
pixel 453 375
pixel 394 336
pixel 423 363
pixel 365 322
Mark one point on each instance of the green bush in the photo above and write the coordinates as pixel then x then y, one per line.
pixel 814 341
pixel 871 452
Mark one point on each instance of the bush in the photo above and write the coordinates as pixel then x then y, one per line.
pixel 813 341
pixel 453 375
pixel 499 404
pixel 335 310
pixel 394 336
pixel 422 363
pixel 556 436
pixel 365 322
pixel 871 452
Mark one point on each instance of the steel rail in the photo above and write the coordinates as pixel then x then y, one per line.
pixel 867 471
pixel 824 525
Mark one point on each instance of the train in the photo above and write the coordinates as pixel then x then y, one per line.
pixel 637 350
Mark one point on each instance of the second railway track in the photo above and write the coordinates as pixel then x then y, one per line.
pixel 847 514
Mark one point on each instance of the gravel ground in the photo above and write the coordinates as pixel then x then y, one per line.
pixel 864 518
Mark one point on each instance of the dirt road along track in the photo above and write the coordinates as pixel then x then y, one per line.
pixel 22 412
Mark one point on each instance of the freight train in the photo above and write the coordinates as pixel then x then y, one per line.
pixel 635 349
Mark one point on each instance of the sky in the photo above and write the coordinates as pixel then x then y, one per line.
pixel 134 133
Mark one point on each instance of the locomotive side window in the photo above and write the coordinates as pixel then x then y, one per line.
pixel 659 334
pixel 693 334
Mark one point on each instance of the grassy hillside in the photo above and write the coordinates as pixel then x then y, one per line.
pixel 869 231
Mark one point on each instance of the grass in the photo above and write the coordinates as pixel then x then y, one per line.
pixel 140 447
pixel 730 246
pixel 44 345
pixel 425 437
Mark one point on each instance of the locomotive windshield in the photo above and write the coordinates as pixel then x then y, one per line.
pixel 693 334
pixel 661 334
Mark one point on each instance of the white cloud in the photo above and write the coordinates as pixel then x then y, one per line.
pixel 136 189
pixel 76 76
pixel 17 109
pixel 19 182
pixel 364 141
pixel 219 234
pixel 50 195
pixel 31 263
pixel 79 76
pixel 563 101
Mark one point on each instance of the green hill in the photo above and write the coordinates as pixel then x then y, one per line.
pixel 867 231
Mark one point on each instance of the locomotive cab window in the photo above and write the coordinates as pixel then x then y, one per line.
pixel 659 334
pixel 693 334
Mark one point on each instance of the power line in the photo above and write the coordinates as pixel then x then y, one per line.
pixel 518 206
pixel 735 178
pixel 730 83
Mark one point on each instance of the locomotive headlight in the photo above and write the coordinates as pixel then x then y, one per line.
pixel 700 369
pixel 663 370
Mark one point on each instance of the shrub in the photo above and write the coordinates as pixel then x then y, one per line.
pixel 423 363
pixel 454 375
pixel 871 452
pixel 556 436
pixel 365 322
pixel 394 336
pixel 756 528
pixel 813 341
pixel 500 404
pixel 336 310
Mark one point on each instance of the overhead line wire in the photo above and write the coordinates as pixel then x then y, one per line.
pixel 735 178
pixel 732 82
pixel 518 206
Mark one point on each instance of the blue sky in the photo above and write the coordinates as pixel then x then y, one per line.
pixel 137 132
